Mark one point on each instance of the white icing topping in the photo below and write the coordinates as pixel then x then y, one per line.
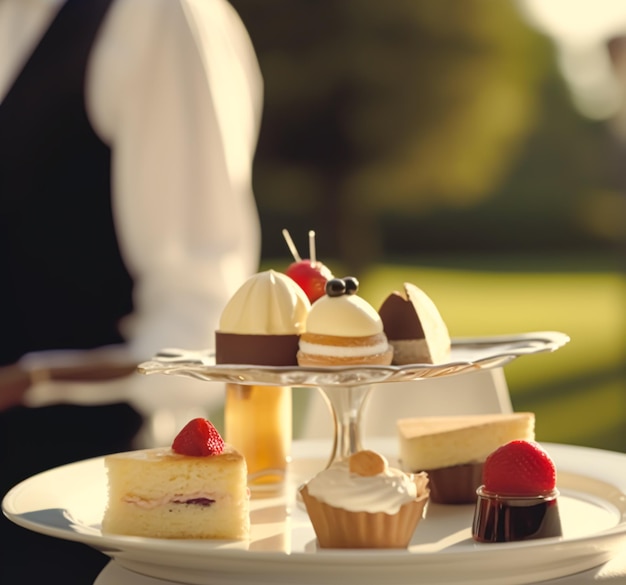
pixel 385 492
pixel 268 303
pixel 345 316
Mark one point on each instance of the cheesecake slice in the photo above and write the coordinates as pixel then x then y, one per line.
pixel 452 449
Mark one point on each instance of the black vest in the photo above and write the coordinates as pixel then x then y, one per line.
pixel 62 280
pixel 63 283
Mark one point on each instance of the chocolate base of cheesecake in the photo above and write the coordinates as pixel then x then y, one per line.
pixel 258 350
pixel 456 484
pixel 512 518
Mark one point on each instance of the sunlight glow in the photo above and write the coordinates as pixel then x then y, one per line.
pixel 580 30
pixel 578 22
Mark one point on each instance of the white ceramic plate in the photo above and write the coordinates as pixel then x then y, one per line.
pixel 468 354
pixel 68 502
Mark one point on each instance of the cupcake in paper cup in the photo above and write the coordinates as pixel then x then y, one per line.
pixel 364 503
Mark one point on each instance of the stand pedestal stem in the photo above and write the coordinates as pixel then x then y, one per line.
pixel 346 404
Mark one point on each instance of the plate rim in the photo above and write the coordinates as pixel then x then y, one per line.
pixel 116 543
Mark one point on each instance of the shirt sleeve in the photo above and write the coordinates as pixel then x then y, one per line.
pixel 175 89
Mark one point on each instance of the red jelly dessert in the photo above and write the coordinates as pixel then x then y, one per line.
pixel 518 499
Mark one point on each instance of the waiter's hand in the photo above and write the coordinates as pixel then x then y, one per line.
pixel 14 382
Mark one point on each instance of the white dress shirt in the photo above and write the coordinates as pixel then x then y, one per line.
pixel 173 86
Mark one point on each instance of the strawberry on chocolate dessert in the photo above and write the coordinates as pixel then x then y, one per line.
pixel 518 498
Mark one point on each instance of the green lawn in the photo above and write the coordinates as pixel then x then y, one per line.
pixel 578 393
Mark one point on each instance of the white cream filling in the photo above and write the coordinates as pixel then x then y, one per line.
pixel 342 350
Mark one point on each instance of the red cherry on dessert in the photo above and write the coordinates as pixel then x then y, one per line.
pixel 198 438
pixel 519 468
pixel 311 276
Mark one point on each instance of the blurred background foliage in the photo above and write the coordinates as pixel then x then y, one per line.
pixel 437 140
pixel 414 126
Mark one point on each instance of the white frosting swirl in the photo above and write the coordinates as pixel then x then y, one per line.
pixel 268 303
pixel 385 492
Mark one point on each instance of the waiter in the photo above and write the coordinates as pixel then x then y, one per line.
pixel 127 220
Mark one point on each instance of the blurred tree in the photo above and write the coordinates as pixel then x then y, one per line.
pixel 556 197
pixel 374 106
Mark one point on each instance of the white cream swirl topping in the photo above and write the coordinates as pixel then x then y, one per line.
pixel 384 492
pixel 268 303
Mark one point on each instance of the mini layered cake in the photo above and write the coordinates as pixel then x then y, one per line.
pixel 452 449
pixel 195 489
pixel 342 329
pixel 262 321
pixel 414 327
pixel 364 503
pixel 518 499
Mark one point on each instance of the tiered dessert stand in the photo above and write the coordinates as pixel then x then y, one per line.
pixel 68 502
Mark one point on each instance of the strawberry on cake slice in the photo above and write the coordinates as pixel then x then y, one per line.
pixel 195 489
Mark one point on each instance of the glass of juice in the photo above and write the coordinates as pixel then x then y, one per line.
pixel 258 423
